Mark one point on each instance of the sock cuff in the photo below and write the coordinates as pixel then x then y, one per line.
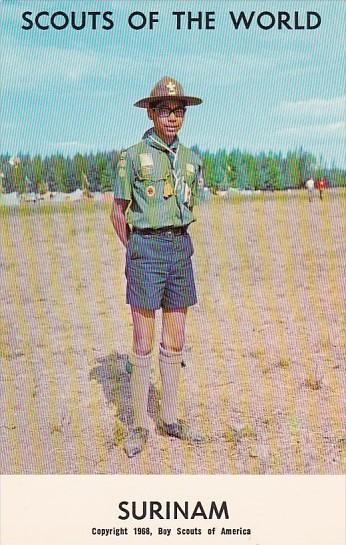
pixel 170 358
pixel 138 360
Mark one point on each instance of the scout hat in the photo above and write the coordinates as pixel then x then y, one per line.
pixel 167 88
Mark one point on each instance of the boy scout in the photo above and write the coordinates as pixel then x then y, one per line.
pixel 155 190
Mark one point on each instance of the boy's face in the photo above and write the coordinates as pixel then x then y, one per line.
pixel 167 126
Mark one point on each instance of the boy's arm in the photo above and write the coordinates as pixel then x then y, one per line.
pixel 118 219
pixel 123 181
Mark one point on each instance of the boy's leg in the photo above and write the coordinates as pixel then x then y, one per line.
pixel 143 338
pixel 143 330
pixel 171 359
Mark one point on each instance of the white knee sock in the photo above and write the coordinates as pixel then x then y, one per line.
pixel 170 366
pixel 140 382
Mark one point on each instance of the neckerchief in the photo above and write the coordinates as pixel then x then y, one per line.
pixel 172 152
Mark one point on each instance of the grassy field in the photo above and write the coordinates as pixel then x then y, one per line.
pixel 265 351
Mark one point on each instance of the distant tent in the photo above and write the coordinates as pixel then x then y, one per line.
pixel 14 161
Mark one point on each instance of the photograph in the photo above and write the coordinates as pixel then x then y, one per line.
pixel 172 237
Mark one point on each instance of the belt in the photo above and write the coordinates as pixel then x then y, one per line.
pixel 161 230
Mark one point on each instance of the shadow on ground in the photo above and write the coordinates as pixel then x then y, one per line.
pixel 113 375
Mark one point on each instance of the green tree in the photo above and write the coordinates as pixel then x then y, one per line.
pixel 102 173
pixel 252 169
pixel 293 168
pixel 273 172
pixel 320 169
pixel 81 169
pixel 209 171
pixel 339 177
pixel 60 176
pixel 38 174
pixel 231 171
pixel 307 164
pixel 19 178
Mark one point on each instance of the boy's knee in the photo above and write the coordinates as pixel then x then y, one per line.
pixel 172 345
pixel 143 347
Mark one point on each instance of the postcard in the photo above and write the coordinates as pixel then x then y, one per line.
pixel 172 272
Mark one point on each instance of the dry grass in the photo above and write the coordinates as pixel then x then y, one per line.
pixel 265 364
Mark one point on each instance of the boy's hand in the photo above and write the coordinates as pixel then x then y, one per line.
pixel 118 220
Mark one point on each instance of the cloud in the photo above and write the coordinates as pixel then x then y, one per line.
pixel 329 130
pixel 316 107
pixel 47 64
pixel 58 66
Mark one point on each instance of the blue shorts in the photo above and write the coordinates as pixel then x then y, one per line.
pixel 159 271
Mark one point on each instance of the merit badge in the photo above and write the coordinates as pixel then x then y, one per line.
pixel 150 191
pixel 168 190
pixel 190 168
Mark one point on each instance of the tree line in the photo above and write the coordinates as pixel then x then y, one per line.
pixel 222 171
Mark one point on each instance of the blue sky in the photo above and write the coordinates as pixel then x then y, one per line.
pixel 73 91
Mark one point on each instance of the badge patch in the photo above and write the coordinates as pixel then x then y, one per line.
pixel 150 191
pixel 171 88
pixel 122 163
pixel 190 168
pixel 168 190
pixel 146 160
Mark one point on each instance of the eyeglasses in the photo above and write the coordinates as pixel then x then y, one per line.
pixel 166 112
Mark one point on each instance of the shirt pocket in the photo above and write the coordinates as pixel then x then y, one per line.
pixel 152 185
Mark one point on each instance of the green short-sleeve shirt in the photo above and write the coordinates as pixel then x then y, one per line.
pixel 161 183
pixel 124 178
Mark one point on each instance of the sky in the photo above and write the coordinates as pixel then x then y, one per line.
pixel 73 91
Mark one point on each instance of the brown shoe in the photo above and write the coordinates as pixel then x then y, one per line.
pixel 136 441
pixel 180 430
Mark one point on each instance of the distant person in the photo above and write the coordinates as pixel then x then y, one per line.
pixel 155 191
pixel 310 186
pixel 321 186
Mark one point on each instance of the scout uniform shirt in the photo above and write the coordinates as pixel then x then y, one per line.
pixel 160 181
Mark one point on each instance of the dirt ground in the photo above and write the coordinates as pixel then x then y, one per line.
pixel 265 349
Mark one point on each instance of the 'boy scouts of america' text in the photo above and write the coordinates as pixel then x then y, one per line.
pixel 181 20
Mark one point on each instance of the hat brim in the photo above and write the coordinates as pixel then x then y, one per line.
pixel 148 101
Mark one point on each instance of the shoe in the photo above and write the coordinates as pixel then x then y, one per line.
pixel 136 441
pixel 180 430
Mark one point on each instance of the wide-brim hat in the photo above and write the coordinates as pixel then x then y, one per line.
pixel 167 88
